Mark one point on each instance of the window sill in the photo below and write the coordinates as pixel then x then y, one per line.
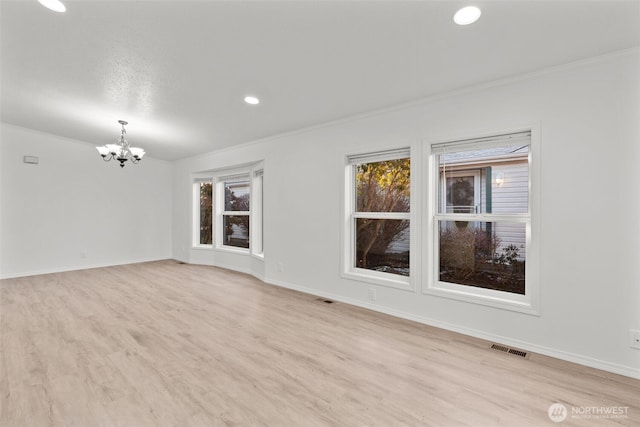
pixel 378 278
pixel 233 250
pixel 488 297
pixel 202 247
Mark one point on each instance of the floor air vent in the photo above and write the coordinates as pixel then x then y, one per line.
pixel 514 351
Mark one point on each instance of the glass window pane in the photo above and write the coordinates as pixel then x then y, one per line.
pixel 383 245
pixel 206 211
pixel 236 195
pixel 236 231
pixel 488 255
pixel 488 180
pixel 383 186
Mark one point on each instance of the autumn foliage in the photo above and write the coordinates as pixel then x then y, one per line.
pixel 380 187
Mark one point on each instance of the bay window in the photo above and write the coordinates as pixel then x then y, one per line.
pixel 227 210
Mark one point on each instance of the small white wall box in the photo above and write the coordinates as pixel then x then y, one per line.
pixel 31 159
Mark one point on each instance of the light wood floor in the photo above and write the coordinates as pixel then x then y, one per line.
pixel 165 344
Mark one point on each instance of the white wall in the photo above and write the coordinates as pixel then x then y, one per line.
pixel 590 275
pixel 72 210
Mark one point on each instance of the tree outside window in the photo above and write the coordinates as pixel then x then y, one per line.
pixel 381 217
pixel 206 213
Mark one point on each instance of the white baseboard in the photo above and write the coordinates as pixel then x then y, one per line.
pixel 534 348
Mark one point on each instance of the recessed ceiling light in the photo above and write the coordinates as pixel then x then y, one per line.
pixel 467 15
pixel 55 5
pixel 251 100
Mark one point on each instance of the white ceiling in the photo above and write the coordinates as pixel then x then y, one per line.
pixel 178 70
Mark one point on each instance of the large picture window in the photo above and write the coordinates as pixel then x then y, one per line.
pixel 482 217
pixel 379 219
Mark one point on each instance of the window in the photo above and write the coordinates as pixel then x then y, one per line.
pixel 482 219
pixel 234 220
pixel 379 205
pixel 257 232
pixel 203 218
pixel 235 216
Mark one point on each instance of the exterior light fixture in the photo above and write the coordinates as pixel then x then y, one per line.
pixel 121 151
pixel 467 15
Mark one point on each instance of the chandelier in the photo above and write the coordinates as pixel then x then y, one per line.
pixel 121 151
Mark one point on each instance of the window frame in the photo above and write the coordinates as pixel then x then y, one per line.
pixel 255 174
pixel 221 213
pixel 527 303
pixel 348 256
pixel 256 207
pixel 196 224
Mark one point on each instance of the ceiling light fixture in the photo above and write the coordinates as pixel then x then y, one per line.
pixel 467 15
pixel 55 5
pixel 251 100
pixel 121 151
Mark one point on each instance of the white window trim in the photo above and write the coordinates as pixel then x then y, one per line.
pixel 529 302
pixel 348 269
pixel 256 223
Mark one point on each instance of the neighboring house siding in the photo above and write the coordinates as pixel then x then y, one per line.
pixel 511 196
pixel 400 244
pixel 511 235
